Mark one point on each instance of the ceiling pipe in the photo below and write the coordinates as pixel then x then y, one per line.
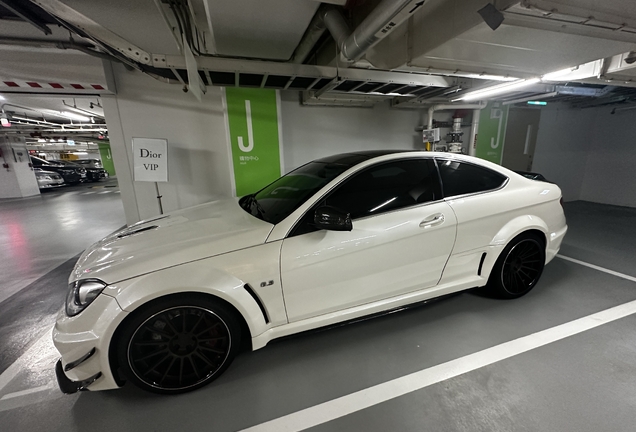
pixel 313 33
pixel 474 126
pixel 441 107
pixel 387 15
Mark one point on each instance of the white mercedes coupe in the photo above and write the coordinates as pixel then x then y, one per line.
pixel 167 303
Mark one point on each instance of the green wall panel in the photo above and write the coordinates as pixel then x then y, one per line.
pixel 492 130
pixel 253 124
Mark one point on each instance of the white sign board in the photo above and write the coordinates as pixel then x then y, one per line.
pixel 150 159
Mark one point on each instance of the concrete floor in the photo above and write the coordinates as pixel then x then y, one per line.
pixel 586 382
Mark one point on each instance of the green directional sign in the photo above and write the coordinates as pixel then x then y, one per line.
pixel 253 123
pixel 492 130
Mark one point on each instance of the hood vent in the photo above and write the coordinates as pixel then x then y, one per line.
pixel 137 231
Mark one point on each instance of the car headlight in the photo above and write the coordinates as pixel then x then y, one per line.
pixel 81 293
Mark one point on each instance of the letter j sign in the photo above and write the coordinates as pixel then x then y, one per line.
pixel 150 159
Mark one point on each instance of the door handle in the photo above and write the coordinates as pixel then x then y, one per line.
pixel 432 220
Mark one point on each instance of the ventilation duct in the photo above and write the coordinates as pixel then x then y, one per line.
pixel 387 15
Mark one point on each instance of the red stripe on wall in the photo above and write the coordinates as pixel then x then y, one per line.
pixel 33 84
pixel 97 87
pixel 77 86
pixel 11 84
pixel 56 85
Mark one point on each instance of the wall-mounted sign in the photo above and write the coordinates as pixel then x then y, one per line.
pixel 492 130
pixel 254 135
pixel 150 159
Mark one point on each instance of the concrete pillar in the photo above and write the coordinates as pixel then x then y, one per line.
pixel 17 179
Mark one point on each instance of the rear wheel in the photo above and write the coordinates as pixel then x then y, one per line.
pixel 178 344
pixel 518 268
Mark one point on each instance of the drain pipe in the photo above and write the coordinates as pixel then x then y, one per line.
pixel 474 127
pixel 387 15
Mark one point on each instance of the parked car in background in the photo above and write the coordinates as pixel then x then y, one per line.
pixel 166 303
pixel 89 163
pixel 94 170
pixel 72 174
pixel 47 179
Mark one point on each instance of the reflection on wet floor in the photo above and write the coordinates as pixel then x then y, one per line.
pixel 39 233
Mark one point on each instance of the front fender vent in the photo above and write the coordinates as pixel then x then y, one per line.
pixel 258 301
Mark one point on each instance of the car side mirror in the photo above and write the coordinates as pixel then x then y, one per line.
pixel 332 219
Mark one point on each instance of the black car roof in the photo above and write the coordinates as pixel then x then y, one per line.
pixel 354 158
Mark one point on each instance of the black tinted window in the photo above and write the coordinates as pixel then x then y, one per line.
pixel 278 200
pixel 463 178
pixel 385 187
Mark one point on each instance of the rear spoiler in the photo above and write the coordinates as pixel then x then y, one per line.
pixel 533 176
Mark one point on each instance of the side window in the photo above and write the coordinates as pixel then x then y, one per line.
pixel 385 187
pixel 463 178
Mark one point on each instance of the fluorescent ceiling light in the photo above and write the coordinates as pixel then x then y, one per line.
pixel 586 70
pixel 5 122
pixel 1 97
pixel 497 89
pixel 74 116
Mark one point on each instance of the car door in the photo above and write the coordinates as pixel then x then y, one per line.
pixel 403 234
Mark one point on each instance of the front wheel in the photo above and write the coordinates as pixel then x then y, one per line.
pixel 518 268
pixel 178 344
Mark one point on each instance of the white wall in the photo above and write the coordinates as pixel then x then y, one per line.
pixel 562 148
pixel 610 172
pixel 199 163
pixel 311 132
pixel 589 153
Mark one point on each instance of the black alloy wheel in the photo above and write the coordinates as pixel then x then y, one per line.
pixel 518 268
pixel 176 346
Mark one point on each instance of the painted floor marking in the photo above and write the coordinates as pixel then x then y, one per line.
pixel 345 405
pixel 602 269
pixel 88 193
pixel 104 192
pixel 45 387
pixel 12 371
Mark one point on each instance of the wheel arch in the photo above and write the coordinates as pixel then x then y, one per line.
pixel 519 225
pixel 246 340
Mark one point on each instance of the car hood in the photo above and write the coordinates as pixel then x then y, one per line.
pixel 177 238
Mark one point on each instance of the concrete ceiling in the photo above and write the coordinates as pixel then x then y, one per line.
pixel 446 37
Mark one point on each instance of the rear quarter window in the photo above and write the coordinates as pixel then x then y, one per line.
pixel 460 178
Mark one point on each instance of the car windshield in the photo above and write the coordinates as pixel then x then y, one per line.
pixel 275 202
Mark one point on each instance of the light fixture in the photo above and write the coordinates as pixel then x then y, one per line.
pixel 497 89
pixel 74 116
pixel 583 71
pixel 4 120
pixel 542 103
pixel 1 97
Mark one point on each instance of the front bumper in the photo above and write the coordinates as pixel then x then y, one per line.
pixel 67 386
pixel 83 342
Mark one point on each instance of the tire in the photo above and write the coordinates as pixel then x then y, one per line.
pixel 518 268
pixel 179 343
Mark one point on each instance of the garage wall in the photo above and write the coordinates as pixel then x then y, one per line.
pixel 589 153
pixel 610 170
pixel 311 132
pixel 197 142
pixel 562 149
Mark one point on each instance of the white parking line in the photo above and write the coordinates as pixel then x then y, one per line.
pixel 32 354
pixel 371 396
pixel 88 193
pixel 104 192
pixel 48 386
pixel 602 269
